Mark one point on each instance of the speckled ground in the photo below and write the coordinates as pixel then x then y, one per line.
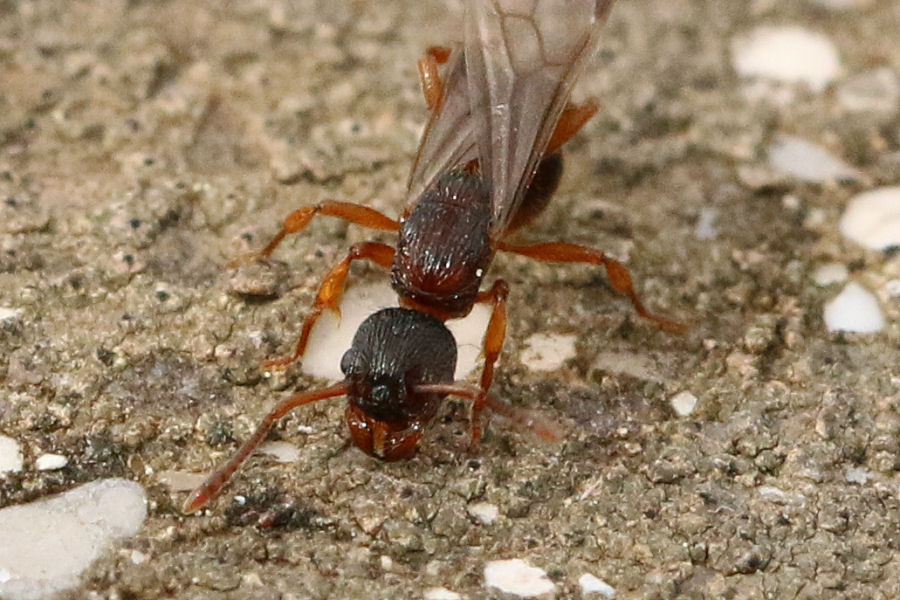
pixel 144 144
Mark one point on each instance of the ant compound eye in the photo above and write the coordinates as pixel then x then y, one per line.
pixel 348 362
pixel 381 395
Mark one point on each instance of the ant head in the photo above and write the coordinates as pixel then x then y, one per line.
pixel 395 351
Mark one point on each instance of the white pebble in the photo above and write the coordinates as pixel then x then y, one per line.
pixel 892 287
pixel 484 512
pixel 284 452
pixel 10 455
pixel 857 475
pixel 779 496
pixel 788 54
pixel 180 481
pixel 706 229
pixel 515 576
pixel 807 162
pixel 50 462
pixel 548 352
pixel 630 364
pixel 683 403
pixel 855 310
pixel 830 273
pixel 9 314
pixel 872 219
pixel 332 337
pixel 440 593
pixel 591 584
pixel 48 543
pixel 876 91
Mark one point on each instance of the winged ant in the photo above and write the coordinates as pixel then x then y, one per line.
pixel 488 163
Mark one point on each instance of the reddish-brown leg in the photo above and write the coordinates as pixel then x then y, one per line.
pixel 440 53
pixel 218 478
pixel 492 345
pixel 618 275
pixel 300 218
pixel 573 118
pixel 331 291
pixel 432 85
pixel 496 330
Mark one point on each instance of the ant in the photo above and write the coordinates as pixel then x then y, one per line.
pixel 488 164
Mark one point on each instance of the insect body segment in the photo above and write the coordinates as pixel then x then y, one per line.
pixel 444 247
pixel 385 363
pixel 487 164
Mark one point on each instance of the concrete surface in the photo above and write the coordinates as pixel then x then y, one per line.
pixel 144 144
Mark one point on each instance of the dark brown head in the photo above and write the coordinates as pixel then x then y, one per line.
pixel 393 351
pixel 444 246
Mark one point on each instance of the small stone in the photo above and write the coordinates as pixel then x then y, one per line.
pixel 515 576
pixel 387 563
pixel 10 455
pixel 787 54
pixel 683 403
pixel 779 496
pixel 9 314
pixel 440 593
pixel 857 475
pixel 808 162
pixel 180 481
pixel 547 352
pixel 48 543
pixel 892 287
pixel 873 91
pixel 854 310
pixel 50 462
pixel 284 452
pixel 590 584
pixel 484 512
pixel 706 229
pixel 872 219
pixel 830 273
pixel 332 336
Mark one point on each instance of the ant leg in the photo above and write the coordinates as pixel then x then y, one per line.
pixel 300 218
pixel 210 488
pixel 618 275
pixel 430 78
pixel 573 118
pixel 331 291
pixel 492 345
pixel 495 334
pixel 441 54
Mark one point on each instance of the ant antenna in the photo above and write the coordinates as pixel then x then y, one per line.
pixel 218 478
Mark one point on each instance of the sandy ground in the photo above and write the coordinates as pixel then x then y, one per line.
pixel 143 145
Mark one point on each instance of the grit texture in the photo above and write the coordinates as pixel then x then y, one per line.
pixel 145 144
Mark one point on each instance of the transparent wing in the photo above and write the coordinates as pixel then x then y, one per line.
pixel 449 137
pixel 522 59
